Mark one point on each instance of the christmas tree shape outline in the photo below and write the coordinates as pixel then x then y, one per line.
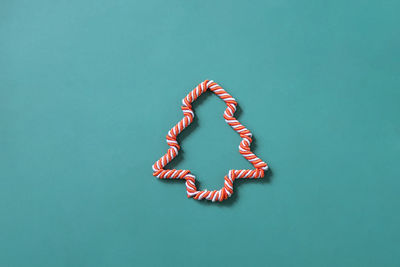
pixel 244 147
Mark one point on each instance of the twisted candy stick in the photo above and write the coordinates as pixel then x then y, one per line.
pixel 244 147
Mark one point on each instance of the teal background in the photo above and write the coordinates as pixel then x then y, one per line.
pixel 89 90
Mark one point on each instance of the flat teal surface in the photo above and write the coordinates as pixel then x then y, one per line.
pixel 89 89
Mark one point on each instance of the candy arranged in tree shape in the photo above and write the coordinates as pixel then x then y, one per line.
pixel 244 147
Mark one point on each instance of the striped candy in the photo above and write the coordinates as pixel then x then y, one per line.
pixel 244 147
